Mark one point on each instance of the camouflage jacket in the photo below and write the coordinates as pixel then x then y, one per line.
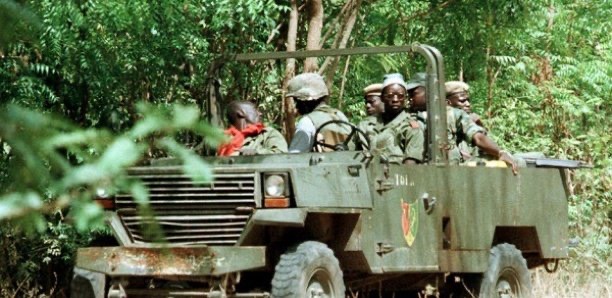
pixel 460 128
pixel 400 139
pixel 270 141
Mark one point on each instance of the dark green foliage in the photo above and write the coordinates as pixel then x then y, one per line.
pixel 74 74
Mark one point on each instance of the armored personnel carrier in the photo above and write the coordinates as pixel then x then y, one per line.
pixel 336 224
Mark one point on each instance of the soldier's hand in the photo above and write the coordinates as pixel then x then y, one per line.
pixel 509 160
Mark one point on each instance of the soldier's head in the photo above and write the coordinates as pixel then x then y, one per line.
pixel 457 95
pixel 242 113
pixel 394 93
pixel 308 90
pixel 416 92
pixel 373 101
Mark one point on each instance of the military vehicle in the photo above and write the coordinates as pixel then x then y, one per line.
pixel 336 224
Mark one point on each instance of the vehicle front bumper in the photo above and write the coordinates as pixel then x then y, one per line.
pixel 170 261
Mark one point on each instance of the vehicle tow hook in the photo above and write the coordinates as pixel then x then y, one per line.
pixel 116 290
pixel 554 268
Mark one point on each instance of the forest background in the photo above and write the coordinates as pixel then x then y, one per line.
pixel 89 88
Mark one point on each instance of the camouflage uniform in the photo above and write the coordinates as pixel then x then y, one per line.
pixel 468 151
pixel 270 141
pixel 304 139
pixel 421 117
pixel 460 128
pixel 401 139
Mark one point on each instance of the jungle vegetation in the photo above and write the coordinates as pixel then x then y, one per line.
pixel 89 88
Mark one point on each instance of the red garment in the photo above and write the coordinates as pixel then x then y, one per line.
pixel 238 137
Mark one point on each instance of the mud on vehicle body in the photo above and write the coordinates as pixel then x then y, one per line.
pixel 330 224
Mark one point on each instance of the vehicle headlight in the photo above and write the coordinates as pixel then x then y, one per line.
pixel 104 198
pixel 275 185
pixel 102 193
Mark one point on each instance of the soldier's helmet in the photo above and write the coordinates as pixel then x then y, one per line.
pixel 307 86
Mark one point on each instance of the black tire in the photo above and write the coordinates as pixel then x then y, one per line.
pixel 309 269
pixel 507 274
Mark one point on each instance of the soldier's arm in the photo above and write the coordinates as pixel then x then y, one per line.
pixel 414 144
pixel 274 143
pixel 490 147
pixel 477 135
pixel 303 139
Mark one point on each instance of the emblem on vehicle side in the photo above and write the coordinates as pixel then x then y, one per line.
pixel 410 221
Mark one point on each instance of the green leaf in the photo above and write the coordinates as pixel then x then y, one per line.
pixel 146 127
pixel 122 153
pixel 86 174
pixel 78 137
pixel 19 204
pixel 193 165
pixel 185 116
pixel 86 214
pixel 140 193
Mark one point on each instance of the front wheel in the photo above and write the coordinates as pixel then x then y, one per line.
pixel 309 270
pixel 87 284
pixel 507 275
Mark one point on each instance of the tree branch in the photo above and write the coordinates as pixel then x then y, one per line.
pixel 410 17
pixel 341 40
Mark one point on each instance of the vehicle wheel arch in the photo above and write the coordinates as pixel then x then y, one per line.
pixel 525 239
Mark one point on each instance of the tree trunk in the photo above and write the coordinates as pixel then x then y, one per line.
pixel 288 112
pixel 315 25
pixel 331 63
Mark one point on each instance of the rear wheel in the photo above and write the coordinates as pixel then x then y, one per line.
pixel 507 275
pixel 310 270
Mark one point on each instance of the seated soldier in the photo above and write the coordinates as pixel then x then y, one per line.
pixel 417 103
pixel 394 133
pixel 248 135
pixel 310 93
pixel 457 96
pixel 462 128
pixel 373 103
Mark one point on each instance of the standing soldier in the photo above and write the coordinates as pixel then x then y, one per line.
pixel 373 102
pixel 310 93
pixel 248 135
pixel 394 133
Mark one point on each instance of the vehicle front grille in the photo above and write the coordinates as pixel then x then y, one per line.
pixel 188 213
